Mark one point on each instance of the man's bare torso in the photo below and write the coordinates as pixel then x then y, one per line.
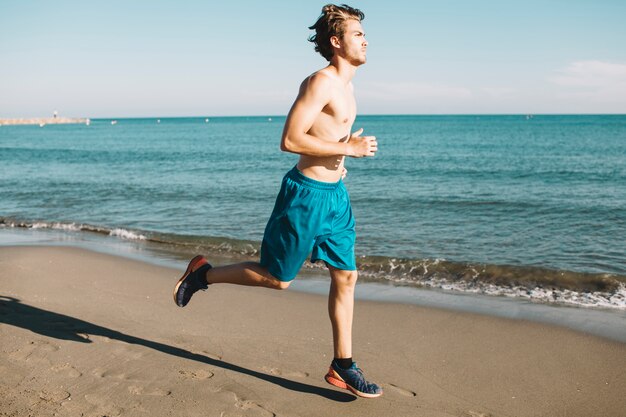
pixel 333 124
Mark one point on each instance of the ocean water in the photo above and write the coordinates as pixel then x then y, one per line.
pixel 528 207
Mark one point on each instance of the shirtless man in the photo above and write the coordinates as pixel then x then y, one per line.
pixel 312 214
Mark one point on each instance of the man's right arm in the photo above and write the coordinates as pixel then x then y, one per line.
pixel 314 95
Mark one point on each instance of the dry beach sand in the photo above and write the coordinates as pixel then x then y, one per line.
pixel 89 334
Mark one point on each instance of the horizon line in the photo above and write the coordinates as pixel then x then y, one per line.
pixel 284 115
pixel 362 114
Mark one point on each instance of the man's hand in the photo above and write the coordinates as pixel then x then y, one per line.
pixel 360 146
pixel 344 172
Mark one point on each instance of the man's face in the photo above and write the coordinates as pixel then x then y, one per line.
pixel 353 43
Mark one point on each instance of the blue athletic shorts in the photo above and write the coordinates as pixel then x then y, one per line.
pixel 309 217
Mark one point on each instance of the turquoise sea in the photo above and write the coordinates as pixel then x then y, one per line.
pixel 532 207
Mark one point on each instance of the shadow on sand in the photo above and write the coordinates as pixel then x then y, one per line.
pixel 60 326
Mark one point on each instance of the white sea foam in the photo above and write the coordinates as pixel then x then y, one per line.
pixel 70 227
pixel 126 234
pixel 77 227
pixel 615 299
pixel 612 300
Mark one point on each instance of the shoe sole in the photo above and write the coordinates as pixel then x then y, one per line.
pixel 194 264
pixel 333 378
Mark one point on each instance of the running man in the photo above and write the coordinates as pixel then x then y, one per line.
pixel 312 214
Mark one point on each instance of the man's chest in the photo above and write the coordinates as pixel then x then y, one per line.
pixel 342 107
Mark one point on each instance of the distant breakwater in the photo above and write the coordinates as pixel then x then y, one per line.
pixel 42 121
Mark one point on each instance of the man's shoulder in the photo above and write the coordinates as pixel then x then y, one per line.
pixel 318 83
pixel 320 78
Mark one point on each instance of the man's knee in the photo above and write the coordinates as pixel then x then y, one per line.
pixel 270 281
pixel 344 278
pixel 282 285
pixel 277 284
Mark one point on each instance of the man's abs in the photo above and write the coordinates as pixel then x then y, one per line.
pixel 325 169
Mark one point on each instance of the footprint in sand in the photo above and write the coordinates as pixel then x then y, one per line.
pixel 240 404
pixel 290 374
pixel 103 373
pixel 199 374
pixel 54 396
pixel 402 391
pixel 33 348
pixel 67 370
pixel 101 405
pixel 251 408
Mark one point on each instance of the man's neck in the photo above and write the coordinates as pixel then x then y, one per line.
pixel 344 69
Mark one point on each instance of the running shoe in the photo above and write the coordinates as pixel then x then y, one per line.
pixel 193 279
pixel 353 380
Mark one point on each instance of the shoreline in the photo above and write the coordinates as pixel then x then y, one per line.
pixel 601 322
pixel 594 290
pixel 93 333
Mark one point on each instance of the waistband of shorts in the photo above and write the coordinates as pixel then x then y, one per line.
pixel 298 177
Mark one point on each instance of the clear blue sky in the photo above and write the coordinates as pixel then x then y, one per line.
pixel 205 58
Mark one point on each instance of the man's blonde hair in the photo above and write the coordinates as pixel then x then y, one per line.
pixel 332 22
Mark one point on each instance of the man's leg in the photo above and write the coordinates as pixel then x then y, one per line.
pixel 200 274
pixel 245 273
pixel 340 310
pixel 343 373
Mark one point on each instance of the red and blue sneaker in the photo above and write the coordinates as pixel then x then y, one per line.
pixel 352 379
pixel 193 280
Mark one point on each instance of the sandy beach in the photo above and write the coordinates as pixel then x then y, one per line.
pixel 89 334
